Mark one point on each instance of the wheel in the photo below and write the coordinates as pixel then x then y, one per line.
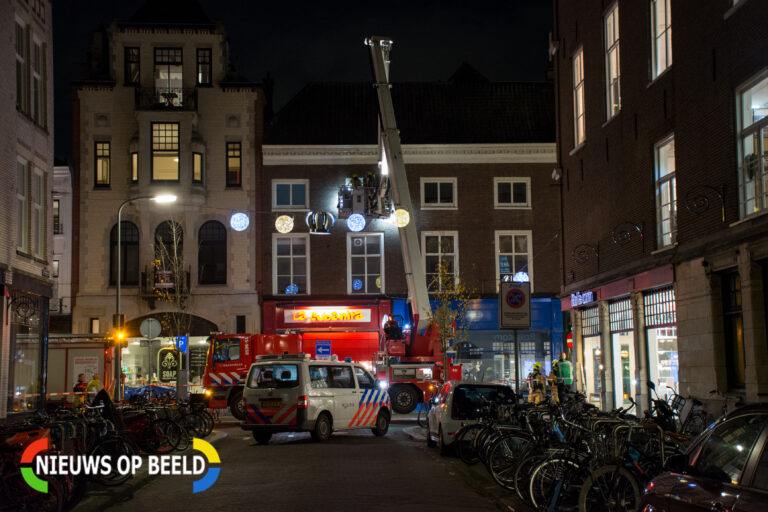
pixel 695 425
pixel 404 399
pixel 421 418
pixel 322 429
pixel 262 436
pixel 112 447
pixel 504 456
pixel 430 442
pixel 208 419
pixel 382 424
pixel 465 443
pixel 194 423
pixel 555 485
pixel 522 476
pixel 444 448
pixel 236 404
pixel 611 488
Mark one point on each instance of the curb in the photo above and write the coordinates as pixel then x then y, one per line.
pixel 101 498
pixel 416 433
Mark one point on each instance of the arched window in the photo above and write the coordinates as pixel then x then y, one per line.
pixel 169 241
pixel 129 254
pixel 212 254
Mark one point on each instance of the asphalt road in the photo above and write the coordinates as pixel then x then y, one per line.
pixel 352 471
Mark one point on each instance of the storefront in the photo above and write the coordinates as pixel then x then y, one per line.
pixel 343 328
pixel 590 371
pixel 624 358
pixel 661 336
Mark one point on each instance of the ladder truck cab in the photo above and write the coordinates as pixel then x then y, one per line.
pixel 230 357
pixel 411 362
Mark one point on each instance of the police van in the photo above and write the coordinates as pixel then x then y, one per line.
pixel 292 393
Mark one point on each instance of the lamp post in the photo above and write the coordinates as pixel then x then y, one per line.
pixel 118 321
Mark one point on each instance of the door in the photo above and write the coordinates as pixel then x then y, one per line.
pixel 369 399
pixel 624 382
pixel 345 396
pixel 592 369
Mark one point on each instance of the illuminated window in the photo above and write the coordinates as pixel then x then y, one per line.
pixel 612 61
pixel 95 327
pixel 165 151
pixel 234 164
pixel 168 77
pixel 666 193
pixel 197 167
pixel 365 263
pixel 102 164
pixel 57 217
pixel 290 264
pixel 440 248
pixel 203 66
pixel 579 125
pixel 513 254
pixel 55 268
pixel 752 142
pixel 661 36
pixel 438 193
pixel 512 192
pixel 134 167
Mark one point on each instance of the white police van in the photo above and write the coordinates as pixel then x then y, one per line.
pixel 292 393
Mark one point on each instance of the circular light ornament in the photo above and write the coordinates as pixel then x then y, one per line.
pixel 292 289
pixel 320 223
pixel 239 221
pixel 356 222
pixel 284 224
pixel 401 218
pixel 378 282
pixel 357 284
pixel 521 277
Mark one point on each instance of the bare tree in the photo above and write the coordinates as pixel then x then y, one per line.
pixel 171 282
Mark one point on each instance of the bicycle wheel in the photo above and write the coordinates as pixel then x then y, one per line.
pixel 611 488
pixel 421 418
pixel 209 421
pixel 504 457
pixel 465 443
pixel 194 424
pixel 522 476
pixel 112 447
pixel 160 436
pixel 555 485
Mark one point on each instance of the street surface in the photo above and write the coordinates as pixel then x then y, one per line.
pixel 352 471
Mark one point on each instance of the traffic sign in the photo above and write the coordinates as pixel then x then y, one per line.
pixel 323 350
pixel 514 305
pixel 182 343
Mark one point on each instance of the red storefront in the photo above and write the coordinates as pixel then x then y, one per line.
pixel 353 328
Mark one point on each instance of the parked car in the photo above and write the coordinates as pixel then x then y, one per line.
pixel 724 469
pixel 460 403
pixel 290 393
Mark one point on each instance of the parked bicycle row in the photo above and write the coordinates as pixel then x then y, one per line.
pixel 99 429
pixel 561 456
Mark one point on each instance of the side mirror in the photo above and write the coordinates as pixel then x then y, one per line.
pixel 677 463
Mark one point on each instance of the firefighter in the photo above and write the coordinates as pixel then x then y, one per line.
pixel 535 385
pixel 392 330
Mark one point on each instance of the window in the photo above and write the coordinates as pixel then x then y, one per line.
pixel 55 268
pixel 165 151
pixel 612 61
pixel 37 214
pixel 513 254
pixel 95 327
pixel 22 83
pixel 666 193
pixel 511 192
pixel 102 164
pixel 440 248
pixel 57 217
pixel 203 66
pixel 268 376
pixel 132 66
pixel 226 349
pixel 579 125
pixel 168 76
pixel 290 194
pixel 240 324
pixel 290 264
pixel 753 146
pixel 212 253
pixel 661 37
pixel 724 454
pixel 129 254
pixel 38 84
pixel 169 241
pixel 364 379
pixel 22 205
pixel 134 167
pixel 438 193
pixel 735 360
pixel 197 167
pixel 234 164
pixel 340 377
pixel 365 263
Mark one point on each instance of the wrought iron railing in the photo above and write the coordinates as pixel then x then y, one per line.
pixel 166 98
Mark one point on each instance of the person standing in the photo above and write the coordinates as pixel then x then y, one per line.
pixel 535 385
pixel 554 382
pixel 564 374
pixel 80 385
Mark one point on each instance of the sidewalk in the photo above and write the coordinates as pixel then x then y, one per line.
pixel 99 497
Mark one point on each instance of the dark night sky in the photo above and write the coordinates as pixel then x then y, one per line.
pixel 301 42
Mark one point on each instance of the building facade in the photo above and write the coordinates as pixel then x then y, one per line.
pixel 479 158
pixel 661 132
pixel 162 112
pixel 26 167
pixel 61 264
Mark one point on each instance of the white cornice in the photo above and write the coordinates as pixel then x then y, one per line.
pixel 536 153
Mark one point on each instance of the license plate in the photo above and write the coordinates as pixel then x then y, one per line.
pixel 271 404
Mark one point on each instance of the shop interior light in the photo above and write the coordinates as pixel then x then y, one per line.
pixel 401 217
pixel 356 222
pixel 284 224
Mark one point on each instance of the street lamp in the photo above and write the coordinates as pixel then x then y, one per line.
pixel 118 322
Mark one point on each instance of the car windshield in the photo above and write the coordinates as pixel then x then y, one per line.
pixel 468 399
pixel 274 376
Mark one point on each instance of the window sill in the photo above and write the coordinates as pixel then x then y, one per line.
pixel 611 119
pixel 512 207
pixel 659 76
pixel 451 207
pixel 235 187
pixel 299 209
pixel 666 248
pixel 577 148
pixel 748 218
pixel 102 187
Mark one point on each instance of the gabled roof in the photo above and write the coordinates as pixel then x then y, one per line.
pixel 170 13
pixel 466 110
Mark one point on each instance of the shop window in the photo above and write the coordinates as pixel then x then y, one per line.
pixel 661 335
pixel 513 254
pixel 612 62
pixel 290 194
pixel 165 151
pixel 579 124
pixel 623 348
pixel 666 193
pixel 290 264
pixel 735 360
pixel 212 253
pixel 512 192
pixel 129 254
pixel 440 251
pixel 752 102
pixel 25 372
pixel 592 356
pixel 661 37
pixel 365 263
pixel 438 193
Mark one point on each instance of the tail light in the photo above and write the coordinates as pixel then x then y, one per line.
pixel 302 403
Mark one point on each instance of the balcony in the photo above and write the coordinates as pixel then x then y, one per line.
pixel 151 98
pixel 157 284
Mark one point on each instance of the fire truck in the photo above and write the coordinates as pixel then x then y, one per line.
pixel 230 357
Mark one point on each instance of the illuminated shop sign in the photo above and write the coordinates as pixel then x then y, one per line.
pixel 581 298
pixel 326 315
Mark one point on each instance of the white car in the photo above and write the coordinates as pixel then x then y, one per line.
pixel 459 403
pixel 291 393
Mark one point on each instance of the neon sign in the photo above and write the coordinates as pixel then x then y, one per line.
pixel 326 315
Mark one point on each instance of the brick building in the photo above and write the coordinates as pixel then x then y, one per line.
pixel 163 112
pixel 661 126
pixel 26 168
pixel 479 159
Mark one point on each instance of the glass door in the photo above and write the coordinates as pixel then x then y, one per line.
pixel 624 383
pixel 592 368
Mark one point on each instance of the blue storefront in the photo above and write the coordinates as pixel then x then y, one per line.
pixel 491 354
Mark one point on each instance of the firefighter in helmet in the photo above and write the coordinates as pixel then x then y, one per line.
pixel 536 385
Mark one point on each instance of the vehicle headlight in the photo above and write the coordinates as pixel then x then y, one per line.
pixel 383 384
pixel 208 392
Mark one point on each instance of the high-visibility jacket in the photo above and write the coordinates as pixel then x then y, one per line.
pixel 565 372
